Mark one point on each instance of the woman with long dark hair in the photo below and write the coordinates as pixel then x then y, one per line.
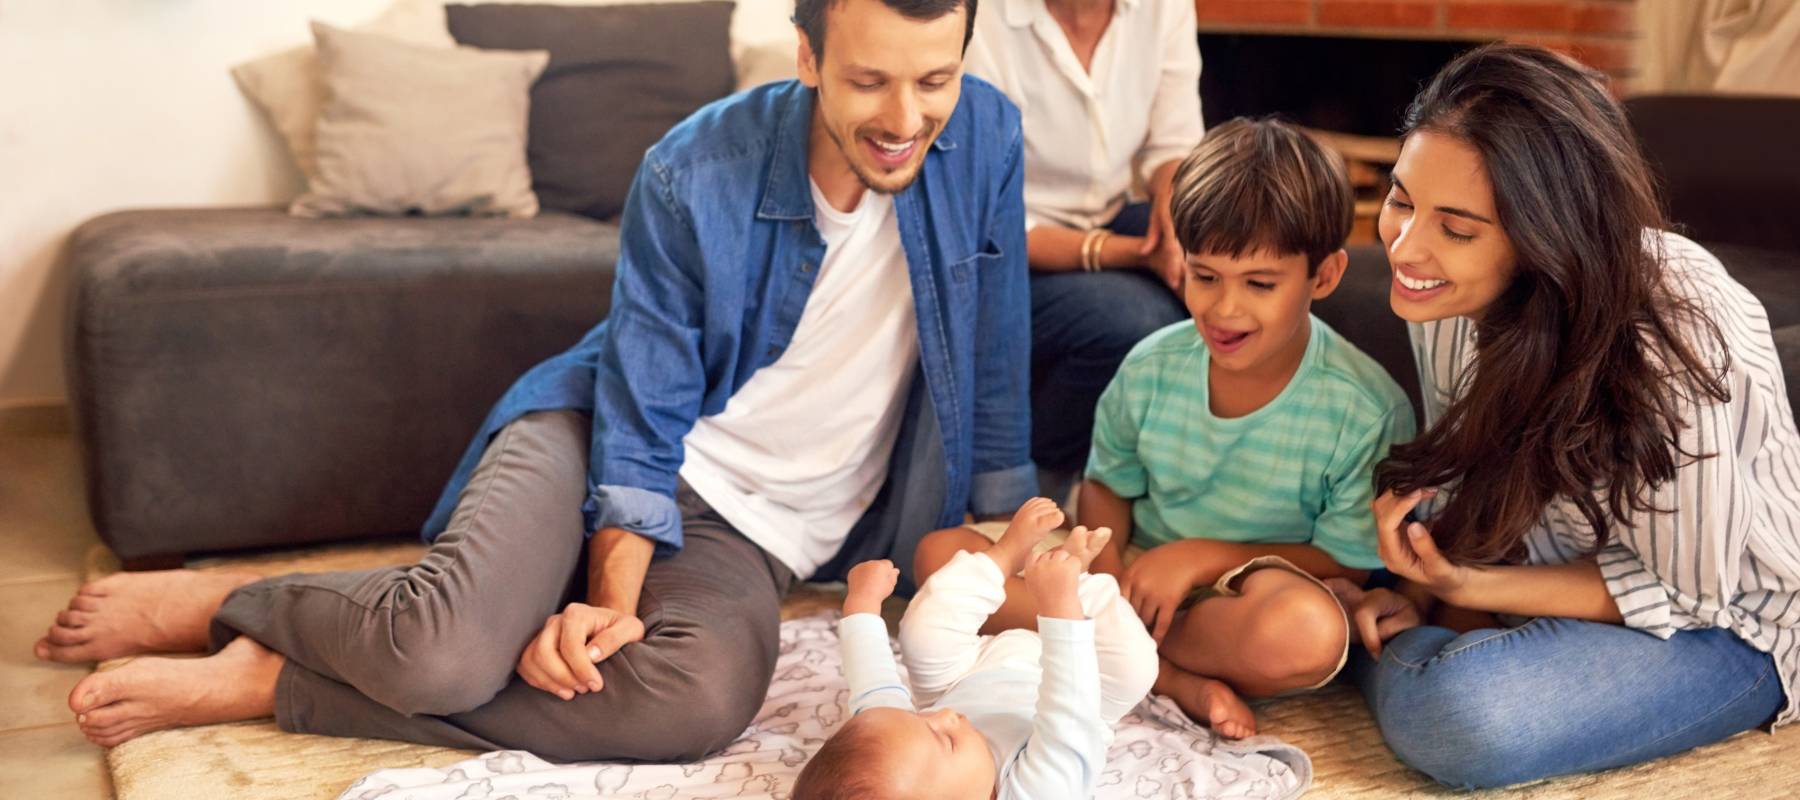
pixel 1609 464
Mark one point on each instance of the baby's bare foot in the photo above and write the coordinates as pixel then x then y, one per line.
pixel 138 612
pixel 1034 520
pixel 150 694
pixel 1085 544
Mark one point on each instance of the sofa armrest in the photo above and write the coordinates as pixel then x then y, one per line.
pixel 243 378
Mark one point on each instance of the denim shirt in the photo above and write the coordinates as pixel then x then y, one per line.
pixel 717 257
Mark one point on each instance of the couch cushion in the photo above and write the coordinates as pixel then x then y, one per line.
pixel 619 78
pixel 245 378
pixel 408 129
pixel 1727 164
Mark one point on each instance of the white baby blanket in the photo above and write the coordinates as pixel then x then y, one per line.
pixel 1156 752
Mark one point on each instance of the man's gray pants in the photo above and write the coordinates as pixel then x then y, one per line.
pixel 426 653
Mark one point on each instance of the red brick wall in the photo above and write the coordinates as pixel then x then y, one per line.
pixel 1598 32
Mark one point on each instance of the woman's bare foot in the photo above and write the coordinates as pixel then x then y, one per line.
pixel 150 694
pixel 1207 701
pixel 138 612
pixel 1086 544
pixel 1038 517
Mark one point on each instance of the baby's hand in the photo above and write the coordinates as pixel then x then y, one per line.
pixel 870 583
pixel 1052 579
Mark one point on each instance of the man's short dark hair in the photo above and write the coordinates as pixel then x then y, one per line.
pixel 809 15
pixel 1261 184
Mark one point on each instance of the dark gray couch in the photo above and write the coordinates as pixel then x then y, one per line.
pixel 241 378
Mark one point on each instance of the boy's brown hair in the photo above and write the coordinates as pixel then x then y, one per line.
pixel 1261 184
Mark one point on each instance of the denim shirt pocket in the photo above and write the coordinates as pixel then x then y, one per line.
pixel 963 270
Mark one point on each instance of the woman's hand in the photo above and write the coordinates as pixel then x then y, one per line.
pixel 1408 549
pixel 1376 615
pixel 1155 584
pixel 561 658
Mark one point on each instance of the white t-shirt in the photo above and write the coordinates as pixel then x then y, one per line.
pixel 801 450
pixel 1138 103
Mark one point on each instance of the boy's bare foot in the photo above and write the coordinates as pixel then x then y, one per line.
pixel 1207 701
pixel 1035 519
pixel 150 694
pixel 138 612
pixel 1086 544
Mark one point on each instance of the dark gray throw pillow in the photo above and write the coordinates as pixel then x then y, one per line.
pixel 620 77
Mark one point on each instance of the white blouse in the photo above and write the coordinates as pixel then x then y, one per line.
pixel 1727 552
pixel 1086 132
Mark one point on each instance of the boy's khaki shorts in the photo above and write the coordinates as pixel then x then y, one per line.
pixel 1228 585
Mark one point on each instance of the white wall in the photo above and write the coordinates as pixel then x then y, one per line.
pixel 110 104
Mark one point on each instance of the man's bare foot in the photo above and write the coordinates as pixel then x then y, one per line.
pixel 1034 520
pixel 1086 544
pixel 150 694
pixel 129 613
pixel 1207 701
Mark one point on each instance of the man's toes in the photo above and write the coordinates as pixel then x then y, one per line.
pixel 108 716
pixel 71 618
pixel 99 587
pixel 93 692
pixel 60 636
pixel 84 602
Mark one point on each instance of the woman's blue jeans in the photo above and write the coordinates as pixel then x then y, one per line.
pixel 1082 325
pixel 1494 708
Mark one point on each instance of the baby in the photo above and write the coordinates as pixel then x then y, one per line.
pixel 1019 715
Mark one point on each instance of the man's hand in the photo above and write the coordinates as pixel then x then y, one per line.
pixel 1408 549
pixel 870 583
pixel 1155 584
pixel 1376 615
pixel 561 658
pixel 1052 578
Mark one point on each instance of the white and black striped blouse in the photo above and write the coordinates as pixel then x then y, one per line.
pixel 1727 552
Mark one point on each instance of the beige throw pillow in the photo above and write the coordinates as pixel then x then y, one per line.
pixel 419 130
pixel 287 86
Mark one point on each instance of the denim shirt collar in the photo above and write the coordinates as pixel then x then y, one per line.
pixel 788 193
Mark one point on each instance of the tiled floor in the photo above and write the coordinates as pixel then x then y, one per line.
pixel 44 533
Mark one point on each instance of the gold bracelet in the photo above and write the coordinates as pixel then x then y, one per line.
pixel 1090 253
pixel 1100 246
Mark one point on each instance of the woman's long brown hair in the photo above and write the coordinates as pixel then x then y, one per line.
pixel 1581 370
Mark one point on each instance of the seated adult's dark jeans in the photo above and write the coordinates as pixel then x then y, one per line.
pixel 1082 325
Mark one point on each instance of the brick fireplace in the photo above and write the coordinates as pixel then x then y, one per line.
pixel 1596 31
pixel 1347 68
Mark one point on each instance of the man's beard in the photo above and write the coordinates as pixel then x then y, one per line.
pixel 869 181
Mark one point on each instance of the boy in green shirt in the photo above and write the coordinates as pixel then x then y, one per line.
pixel 1234 452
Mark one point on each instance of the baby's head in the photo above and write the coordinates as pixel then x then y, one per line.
pixel 895 754
pixel 1262 212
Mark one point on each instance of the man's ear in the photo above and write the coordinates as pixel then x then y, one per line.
pixel 806 64
pixel 1330 273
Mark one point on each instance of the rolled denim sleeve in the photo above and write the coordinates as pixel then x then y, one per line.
pixel 651 515
pixel 648 375
pixel 1003 475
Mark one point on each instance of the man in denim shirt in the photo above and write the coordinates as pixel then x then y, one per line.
pixel 816 352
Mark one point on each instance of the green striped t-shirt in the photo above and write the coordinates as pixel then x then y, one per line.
pixel 1296 471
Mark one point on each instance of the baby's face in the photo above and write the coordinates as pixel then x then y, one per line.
pixel 935 754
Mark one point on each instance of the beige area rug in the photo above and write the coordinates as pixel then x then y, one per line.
pixel 254 759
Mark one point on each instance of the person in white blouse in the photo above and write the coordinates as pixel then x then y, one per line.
pixel 1609 472
pixel 1109 97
